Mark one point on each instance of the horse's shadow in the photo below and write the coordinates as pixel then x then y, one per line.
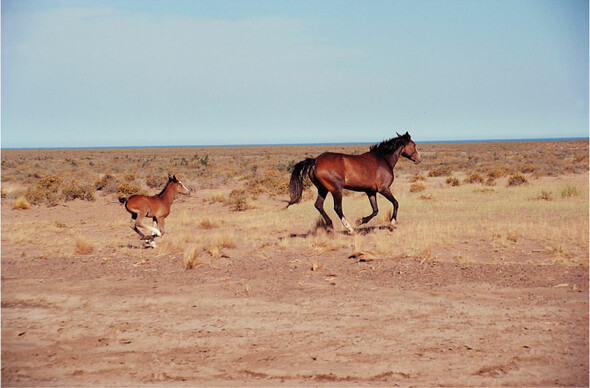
pixel 363 231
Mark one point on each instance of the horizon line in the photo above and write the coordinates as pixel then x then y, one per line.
pixel 587 138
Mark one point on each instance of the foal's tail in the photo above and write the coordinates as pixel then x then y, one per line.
pixel 123 200
pixel 300 170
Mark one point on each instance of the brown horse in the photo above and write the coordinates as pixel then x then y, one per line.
pixel 156 207
pixel 371 172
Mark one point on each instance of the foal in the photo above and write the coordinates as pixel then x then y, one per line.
pixel 157 207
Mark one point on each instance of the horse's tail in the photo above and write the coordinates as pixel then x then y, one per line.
pixel 123 200
pixel 300 170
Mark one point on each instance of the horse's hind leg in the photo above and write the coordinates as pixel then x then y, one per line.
pixel 319 204
pixel 338 209
pixel 133 225
pixel 373 199
pixel 155 231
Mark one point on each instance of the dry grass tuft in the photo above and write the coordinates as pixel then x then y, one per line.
pixel 21 203
pixel 417 187
pixel 83 246
pixel 453 181
pixel 545 196
pixel 169 245
pixel 569 191
pixel 191 257
pixel 208 224
pixel 226 240
pixel 315 266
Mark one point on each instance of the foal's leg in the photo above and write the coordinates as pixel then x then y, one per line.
pixel 338 209
pixel 133 225
pixel 373 199
pixel 139 223
pixel 319 204
pixel 160 223
pixel 387 194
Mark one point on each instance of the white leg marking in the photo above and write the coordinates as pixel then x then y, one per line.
pixel 347 225
pixel 155 231
pixel 393 221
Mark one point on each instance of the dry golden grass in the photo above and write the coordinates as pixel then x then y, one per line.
pixel 192 257
pixel 545 220
pixel 83 246
pixel 21 203
pixel 207 223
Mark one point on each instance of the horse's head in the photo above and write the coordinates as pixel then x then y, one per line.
pixel 178 186
pixel 409 151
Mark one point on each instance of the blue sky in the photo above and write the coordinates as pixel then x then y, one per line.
pixel 156 73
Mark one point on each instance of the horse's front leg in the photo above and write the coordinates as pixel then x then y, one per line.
pixel 387 194
pixel 160 223
pixel 338 209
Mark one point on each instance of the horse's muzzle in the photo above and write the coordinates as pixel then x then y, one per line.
pixel 416 158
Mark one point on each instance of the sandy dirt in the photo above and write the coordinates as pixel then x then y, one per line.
pixel 270 319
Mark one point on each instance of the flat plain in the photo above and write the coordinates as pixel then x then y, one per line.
pixel 483 281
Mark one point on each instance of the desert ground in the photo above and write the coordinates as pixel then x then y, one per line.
pixel 482 282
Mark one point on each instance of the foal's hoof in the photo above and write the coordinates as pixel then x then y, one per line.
pixel 149 243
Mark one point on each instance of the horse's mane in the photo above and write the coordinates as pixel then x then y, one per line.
pixel 170 179
pixel 388 147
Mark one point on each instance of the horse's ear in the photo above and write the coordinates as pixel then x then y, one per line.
pixel 407 134
pixel 174 178
pixel 398 135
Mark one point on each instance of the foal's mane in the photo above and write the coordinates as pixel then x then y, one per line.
pixel 388 147
pixel 170 179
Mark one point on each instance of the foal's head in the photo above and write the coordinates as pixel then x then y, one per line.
pixel 176 185
pixel 409 151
